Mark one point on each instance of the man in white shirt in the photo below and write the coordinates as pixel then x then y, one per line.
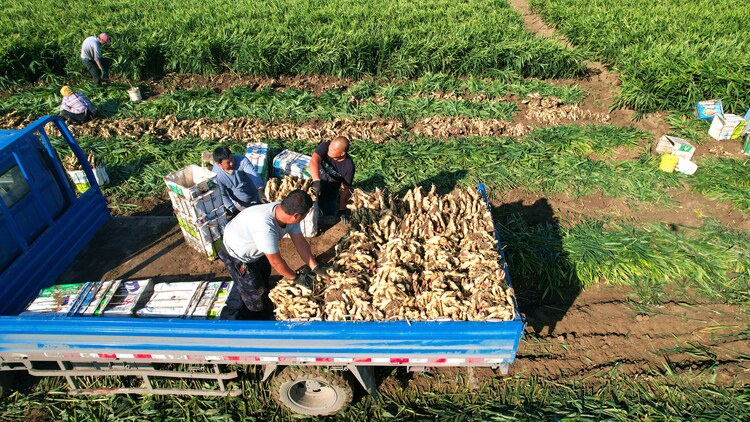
pixel 251 247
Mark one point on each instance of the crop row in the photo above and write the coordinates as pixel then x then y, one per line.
pixel 342 38
pixel 548 161
pixel 670 54
pixel 430 95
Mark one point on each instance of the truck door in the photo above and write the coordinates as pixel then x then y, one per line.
pixel 30 191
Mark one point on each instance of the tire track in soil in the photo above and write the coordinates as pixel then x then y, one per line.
pixel 603 332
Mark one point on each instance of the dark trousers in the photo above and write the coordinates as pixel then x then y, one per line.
pixel 251 280
pixel 76 117
pixel 96 74
pixel 328 200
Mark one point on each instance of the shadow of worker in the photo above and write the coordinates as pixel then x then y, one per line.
pixel 543 278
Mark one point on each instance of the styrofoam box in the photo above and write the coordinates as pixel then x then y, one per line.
pixel 191 181
pixel 257 153
pixel 291 163
pixel 728 126
pixel 675 146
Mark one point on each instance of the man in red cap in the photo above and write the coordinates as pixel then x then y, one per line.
pixel 91 56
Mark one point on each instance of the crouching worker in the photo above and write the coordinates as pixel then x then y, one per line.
pixel 239 183
pixel 251 249
pixel 75 107
pixel 332 172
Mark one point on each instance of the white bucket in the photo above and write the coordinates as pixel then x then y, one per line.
pixel 686 166
pixel 135 94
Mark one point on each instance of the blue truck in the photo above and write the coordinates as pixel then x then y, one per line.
pixel 311 367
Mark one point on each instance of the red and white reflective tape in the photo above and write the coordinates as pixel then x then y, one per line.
pixel 277 359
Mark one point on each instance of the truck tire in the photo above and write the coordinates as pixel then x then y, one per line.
pixel 312 391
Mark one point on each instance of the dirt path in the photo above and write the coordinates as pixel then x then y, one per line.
pixel 601 85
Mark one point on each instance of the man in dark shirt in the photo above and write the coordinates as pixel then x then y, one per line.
pixel 332 171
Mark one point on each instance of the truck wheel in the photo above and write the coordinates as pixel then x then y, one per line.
pixel 312 391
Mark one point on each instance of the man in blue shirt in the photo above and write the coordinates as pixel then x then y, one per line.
pixel 239 183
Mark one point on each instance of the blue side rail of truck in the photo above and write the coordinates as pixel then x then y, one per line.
pixel 44 225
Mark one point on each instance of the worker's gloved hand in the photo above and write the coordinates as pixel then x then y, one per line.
pixel 302 280
pixel 344 216
pixel 262 196
pixel 321 272
pixel 315 187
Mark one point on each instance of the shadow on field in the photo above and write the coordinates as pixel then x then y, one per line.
pixel 542 276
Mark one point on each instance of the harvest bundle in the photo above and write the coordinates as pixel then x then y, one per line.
pixel 421 257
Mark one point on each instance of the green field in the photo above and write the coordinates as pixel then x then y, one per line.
pixel 579 204
pixel 670 54
pixel 343 38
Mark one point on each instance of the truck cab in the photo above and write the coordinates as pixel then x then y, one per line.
pixel 40 211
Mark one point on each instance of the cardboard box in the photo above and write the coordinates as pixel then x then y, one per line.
pixel 104 292
pixel 257 153
pixel 191 181
pixel 706 110
pixel 291 163
pixel 82 182
pixel 127 297
pixel 202 208
pixel 728 126
pixel 57 300
pixel 675 146
pixel 172 300
pixel 204 236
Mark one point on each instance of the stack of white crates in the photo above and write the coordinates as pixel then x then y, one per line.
pixel 291 163
pixel 199 208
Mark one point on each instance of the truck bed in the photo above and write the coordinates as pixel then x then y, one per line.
pixel 141 247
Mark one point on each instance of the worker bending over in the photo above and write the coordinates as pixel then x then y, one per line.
pixel 91 56
pixel 251 249
pixel 75 107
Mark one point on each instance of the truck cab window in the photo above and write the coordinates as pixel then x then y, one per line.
pixel 13 186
